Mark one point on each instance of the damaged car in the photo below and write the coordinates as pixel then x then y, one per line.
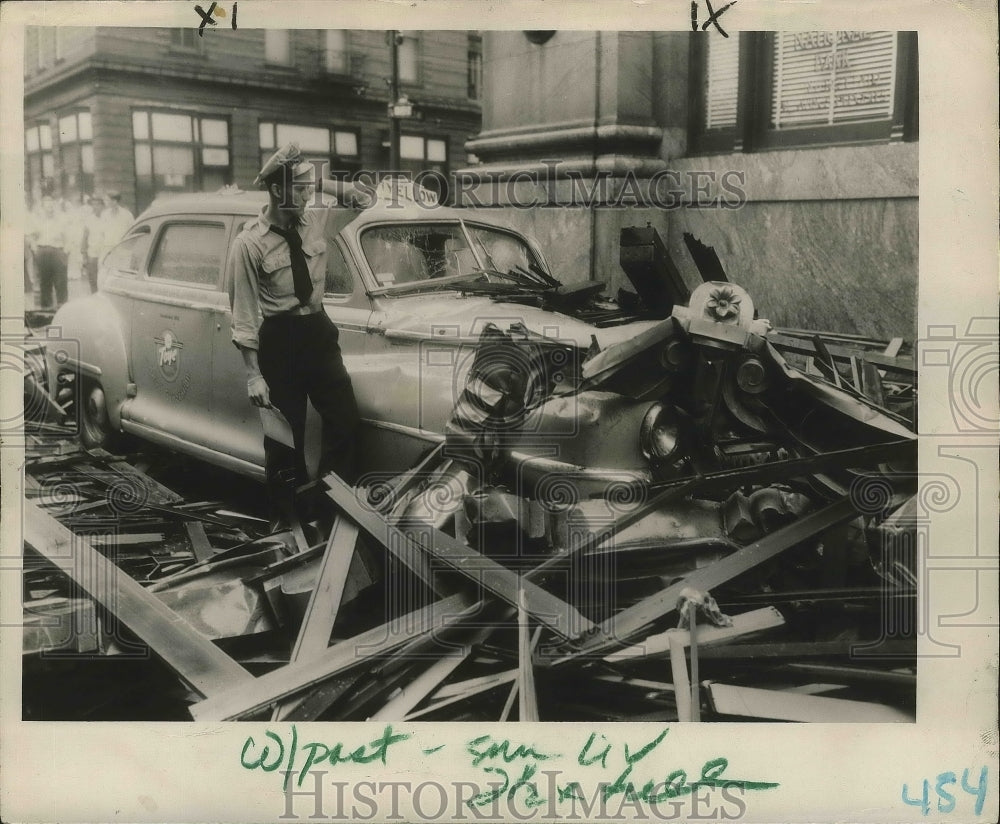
pixel 607 467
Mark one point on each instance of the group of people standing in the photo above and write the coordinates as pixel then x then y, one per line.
pixel 66 239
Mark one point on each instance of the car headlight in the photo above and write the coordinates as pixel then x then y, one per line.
pixel 659 434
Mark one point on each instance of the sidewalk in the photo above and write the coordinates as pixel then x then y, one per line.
pixel 77 288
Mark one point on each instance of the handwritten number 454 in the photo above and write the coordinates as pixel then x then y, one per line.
pixel 945 795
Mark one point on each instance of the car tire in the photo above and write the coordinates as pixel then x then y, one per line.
pixel 95 424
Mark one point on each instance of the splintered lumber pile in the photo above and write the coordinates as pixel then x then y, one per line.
pixel 495 643
pixel 449 630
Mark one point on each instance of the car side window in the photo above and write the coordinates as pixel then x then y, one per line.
pixel 192 253
pixel 127 256
pixel 339 278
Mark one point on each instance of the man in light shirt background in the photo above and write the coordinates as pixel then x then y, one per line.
pixel 114 222
pixel 48 243
pixel 93 240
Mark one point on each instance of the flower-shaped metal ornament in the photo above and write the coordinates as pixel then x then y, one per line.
pixel 723 303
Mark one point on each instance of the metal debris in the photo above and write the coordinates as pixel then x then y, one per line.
pixel 749 576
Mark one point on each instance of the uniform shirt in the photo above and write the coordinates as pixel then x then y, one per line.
pixel 261 273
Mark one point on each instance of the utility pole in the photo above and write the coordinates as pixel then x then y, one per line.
pixel 393 98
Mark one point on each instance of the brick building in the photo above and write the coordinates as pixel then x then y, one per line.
pixel 152 110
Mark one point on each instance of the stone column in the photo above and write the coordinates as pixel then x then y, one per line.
pixel 574 128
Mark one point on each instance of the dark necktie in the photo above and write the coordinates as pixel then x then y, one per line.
pixel 300 268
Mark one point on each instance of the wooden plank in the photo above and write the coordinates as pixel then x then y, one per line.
pixel 856 366
pixel 893 348
pixel 128 538
pixel 903 366
pixel 679 675
pixel 527 698
pixel 425 683
pixel 751 702
pixel 196 659
pixel 324 601
pixel 559 616
pixel 508 705
pixel 406 551
pixel 247 699
pixel 855 675
pixel 404 483
pixel 200 544
pixel 826 362
pixel 480 685
pixel 693 654
pixel 473 684
pixel 659 644
pixel 871 383
pixel 631 620
pixel 878 651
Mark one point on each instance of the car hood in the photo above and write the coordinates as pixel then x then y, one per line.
pixel 452 315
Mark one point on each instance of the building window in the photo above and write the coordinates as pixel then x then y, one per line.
pixel 176 152
pixel 58 44
pixel 186 39
pixel 475 68
pixel 409 54
pixel 317 143
pixel 40 164
pixel 767 90
pixel 278 47
pixel 76 152
pixel 336 53
pixel 432 151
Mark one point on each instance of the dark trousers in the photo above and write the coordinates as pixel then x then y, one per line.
pixel 300 358
pixel 90 267
pixel 50 268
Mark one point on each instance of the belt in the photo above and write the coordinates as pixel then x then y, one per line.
pixel 298 311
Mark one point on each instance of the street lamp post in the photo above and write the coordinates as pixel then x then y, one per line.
pixel 394 39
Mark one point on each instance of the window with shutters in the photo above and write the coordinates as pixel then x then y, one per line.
pixel 767 90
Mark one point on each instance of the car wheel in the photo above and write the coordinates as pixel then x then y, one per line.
pixel 95 425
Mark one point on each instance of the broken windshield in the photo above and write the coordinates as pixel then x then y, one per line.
pixel 411 253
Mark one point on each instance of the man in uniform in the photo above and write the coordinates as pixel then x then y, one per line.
pixel 289 344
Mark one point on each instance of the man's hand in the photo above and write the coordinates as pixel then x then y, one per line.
pixel 258 392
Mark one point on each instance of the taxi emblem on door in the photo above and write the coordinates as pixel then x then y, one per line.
pixel 168 354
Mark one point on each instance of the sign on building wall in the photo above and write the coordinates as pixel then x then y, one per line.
pixel 824 77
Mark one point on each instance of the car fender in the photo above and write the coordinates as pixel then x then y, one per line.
pixel 87 336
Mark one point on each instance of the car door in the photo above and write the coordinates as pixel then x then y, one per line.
pixel 173 324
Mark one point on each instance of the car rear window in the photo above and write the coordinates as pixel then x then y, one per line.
pixel 190 253
pixel 128 255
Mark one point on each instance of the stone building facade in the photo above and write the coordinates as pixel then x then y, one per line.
pixel 793 154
